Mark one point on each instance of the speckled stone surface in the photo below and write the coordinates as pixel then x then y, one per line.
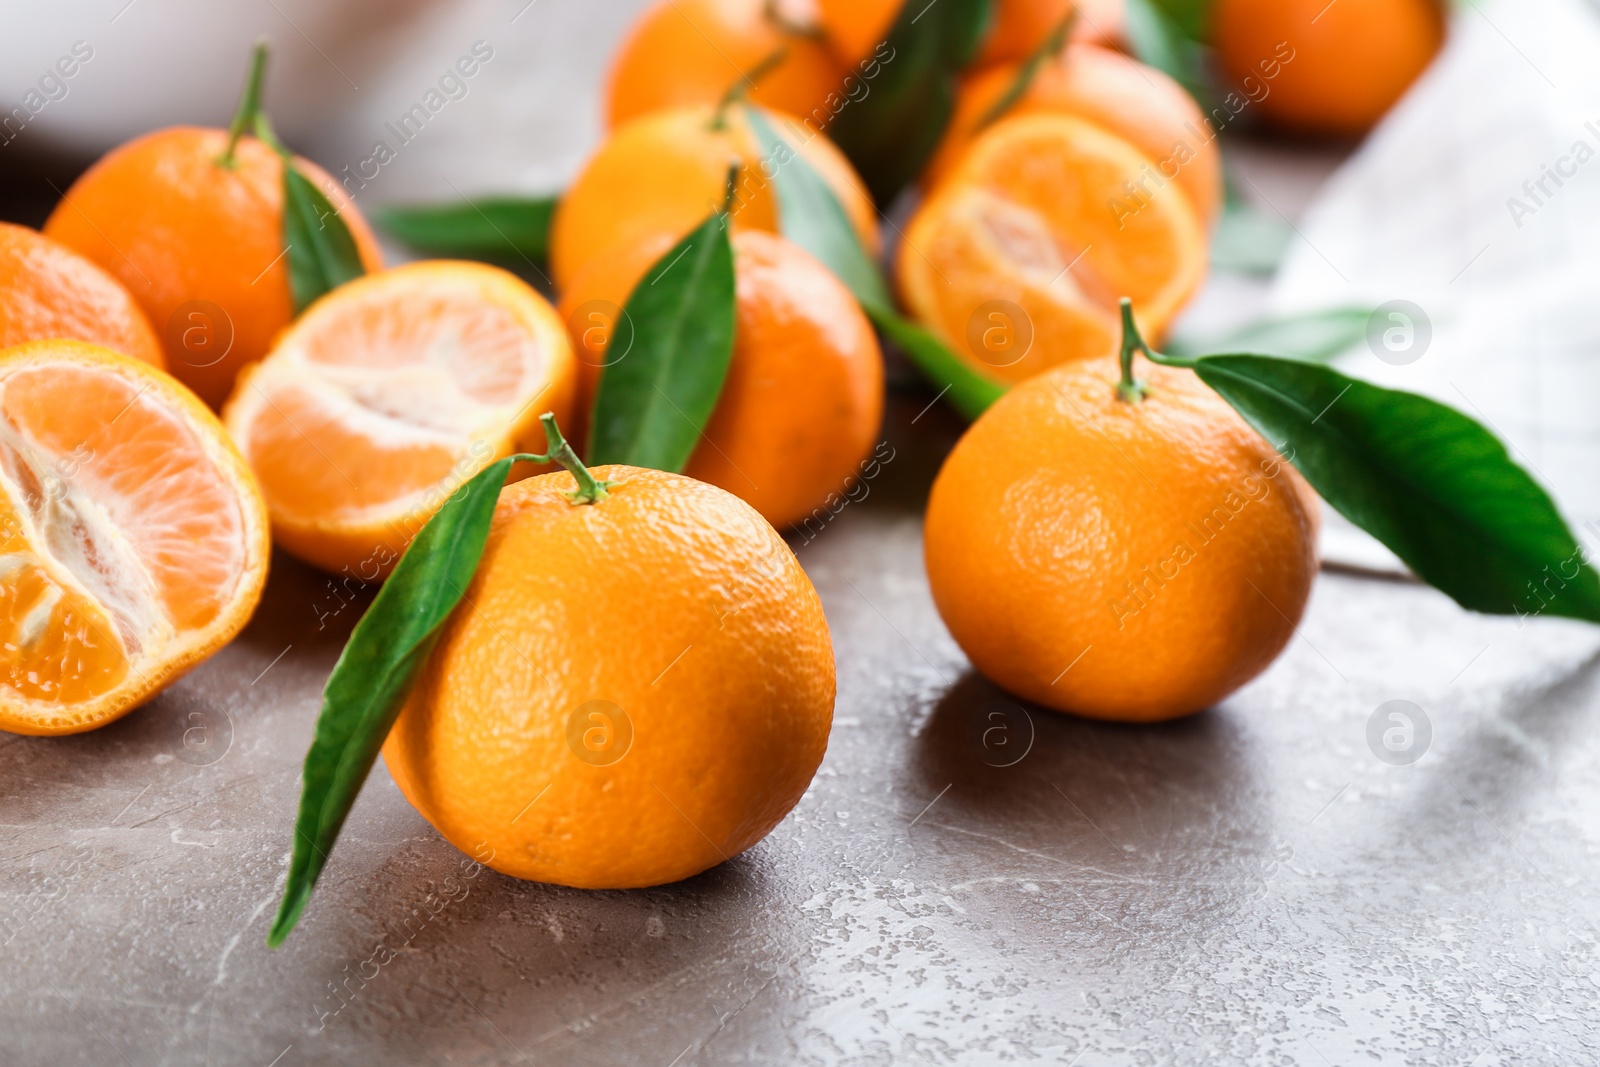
pixel 1253 885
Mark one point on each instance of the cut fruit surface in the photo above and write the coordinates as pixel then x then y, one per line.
pixel 133 540
pixel 387 395
pixel 1019 258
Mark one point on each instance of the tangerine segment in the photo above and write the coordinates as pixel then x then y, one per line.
pixel 387 395
pixel 629 692
pixel 133 541
pixel 1041 225
pixel 663 173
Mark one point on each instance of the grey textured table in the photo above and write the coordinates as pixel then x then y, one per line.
pixel 1250 885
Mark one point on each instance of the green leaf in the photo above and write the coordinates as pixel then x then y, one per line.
pixel 656 398
pixel 909 87
pixel 1315 337
pixel 495 228
pixel 1161 42
pixel 322 254
pixel 1191 18
pixel 970 391
pixel 1430 483
pixel 369 684
pixel 812 217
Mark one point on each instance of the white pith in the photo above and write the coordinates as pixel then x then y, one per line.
pixel 403 404
pixel 75 543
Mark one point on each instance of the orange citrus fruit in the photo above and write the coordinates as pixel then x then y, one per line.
pixel 1019 257
pixel 135 540
pixel 198 242
pixel 1127 561
pixel 664 172
pixel 694 51
pixel 1140 104
pixel 630 691
pixel 386 395
pixel 48 290
pixel 1325 69
pixel 803 399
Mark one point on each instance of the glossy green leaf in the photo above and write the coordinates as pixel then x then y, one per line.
pixel 655 398
pixel 1315 337
pixel 495 228
pixel 900 98
pixel 812 217
pixel 369 684
pixel 968 390
pixel 1430 483
pixel 321 253
pixel 1159 40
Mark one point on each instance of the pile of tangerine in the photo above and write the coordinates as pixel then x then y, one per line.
pixel 1065 536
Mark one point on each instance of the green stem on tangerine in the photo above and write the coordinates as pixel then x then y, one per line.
pixel 249 109
pixel 269 137
pixel 591 490
pixel 1130 389
pixel 741 88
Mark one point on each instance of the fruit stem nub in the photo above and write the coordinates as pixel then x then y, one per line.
pixel 1131 389
pixel 249 109
pixel 591 490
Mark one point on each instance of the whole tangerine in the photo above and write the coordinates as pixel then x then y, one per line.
pixel 631 691
pixel 1326 69
pixel 198 241
pixel 1131 560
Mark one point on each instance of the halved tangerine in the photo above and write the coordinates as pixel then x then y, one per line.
pixel 1020 256
pixel 133 540
pixel 389 393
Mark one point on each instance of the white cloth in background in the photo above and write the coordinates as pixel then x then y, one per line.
pixel 1433 209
